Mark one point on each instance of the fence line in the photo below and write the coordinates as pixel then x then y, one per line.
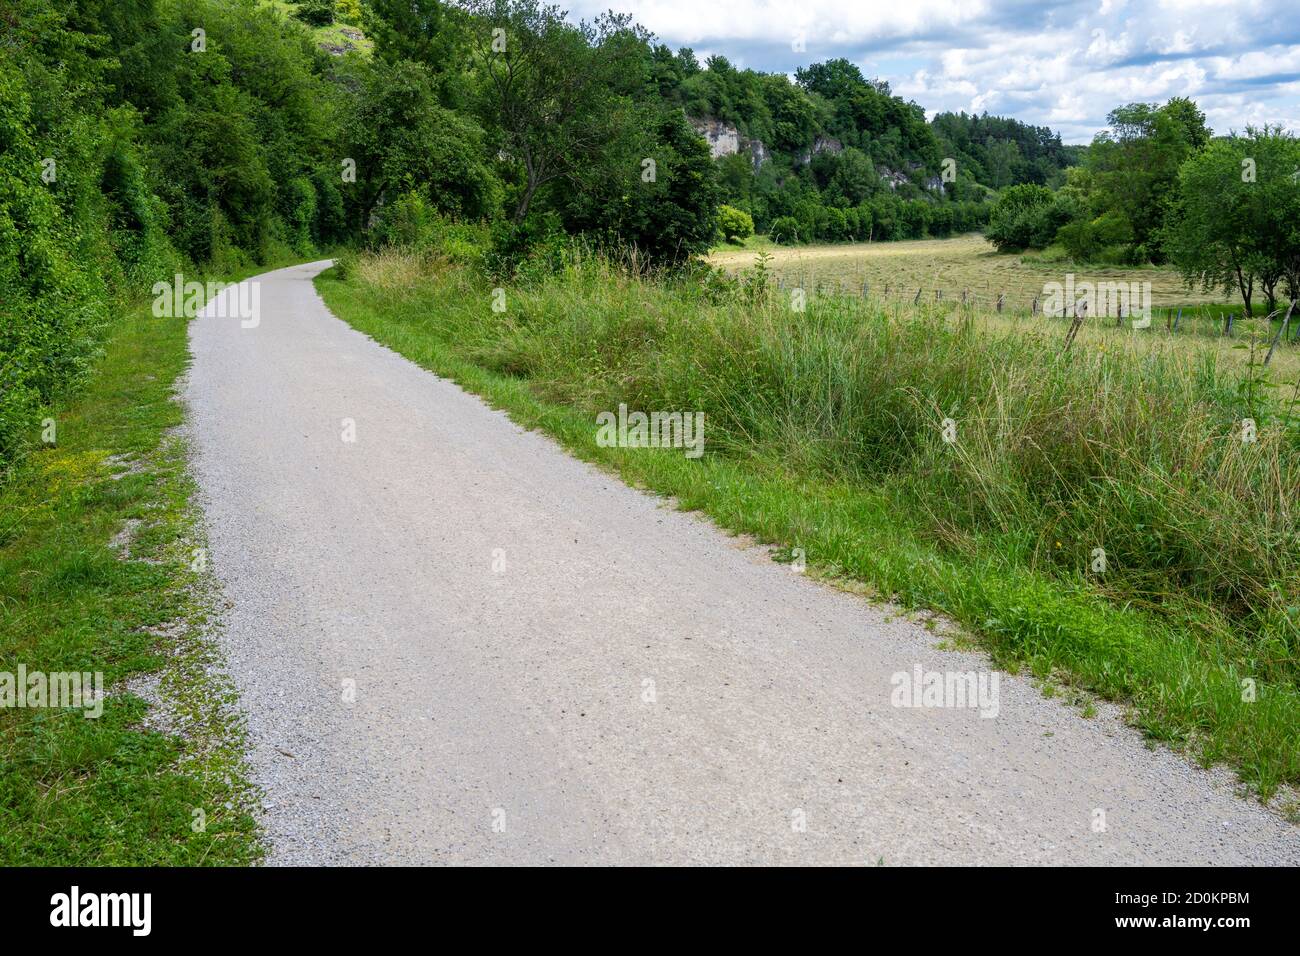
pixel 1002 304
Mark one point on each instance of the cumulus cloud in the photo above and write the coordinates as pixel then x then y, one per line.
pixel 1064 64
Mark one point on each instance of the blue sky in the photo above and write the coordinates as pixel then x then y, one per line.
pixel 1059 64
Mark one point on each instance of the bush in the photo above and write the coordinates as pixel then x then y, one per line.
pixel 345 264
pixel 735 224
pixel 1107 238
pixel 1025 216
pixel 529 250
pixel 834 225
pixel 316 13
pixel 784 230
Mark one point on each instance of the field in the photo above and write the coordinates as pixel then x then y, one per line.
pixel 894 271
pixel 951 265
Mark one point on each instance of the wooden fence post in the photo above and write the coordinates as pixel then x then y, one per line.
pixel 1079 315
pixel 1281 331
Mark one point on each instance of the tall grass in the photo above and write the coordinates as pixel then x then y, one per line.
pixel 1058 456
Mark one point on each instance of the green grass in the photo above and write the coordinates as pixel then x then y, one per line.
pixel 338 37
pixel 823 433
pixel 122 789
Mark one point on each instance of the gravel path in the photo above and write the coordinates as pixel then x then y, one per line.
pixel 456 644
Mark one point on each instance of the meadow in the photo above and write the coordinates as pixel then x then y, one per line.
pixel 960 263
pixel 893 272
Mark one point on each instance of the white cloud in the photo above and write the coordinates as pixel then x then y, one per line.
pixel 1065 63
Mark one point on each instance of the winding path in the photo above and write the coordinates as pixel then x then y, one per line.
pixel 456 644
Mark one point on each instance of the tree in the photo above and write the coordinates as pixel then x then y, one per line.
pixel 658 194
pixel 402 140
pixel 1232 223
pixel 316 13
pixel 1134 166
pixel 784 230
pixel 854 178
pixel 547 88
pixel 1021 218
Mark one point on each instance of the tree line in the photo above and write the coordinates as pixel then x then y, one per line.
pixel 1156 187
pixel 139 138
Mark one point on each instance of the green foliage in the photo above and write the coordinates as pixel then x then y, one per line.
pixel 1131 172
pixel 431 33
pixel 1024 216
pixel 53 292
pixel 553 95
pixel 316 13
pixel 402 140
pixel 853 179
pixel 734 224
pixel 413 222
pixel 158 154
pixel 785 230
pixel 999 152
pixel 1233 219
pixel 657 194
pixel 530 250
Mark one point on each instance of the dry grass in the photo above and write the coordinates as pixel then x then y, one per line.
pixel 970 263
pixel 961 263
pixel 394 269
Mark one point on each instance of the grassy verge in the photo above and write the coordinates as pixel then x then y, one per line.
pixel 823 433
pixel 102 569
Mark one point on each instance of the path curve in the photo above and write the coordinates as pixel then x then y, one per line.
pixel 407 703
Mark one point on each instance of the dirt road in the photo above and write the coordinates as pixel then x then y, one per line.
pixel 456 644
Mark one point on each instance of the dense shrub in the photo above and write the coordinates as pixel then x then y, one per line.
pixel 784 230
pixel 1025 216
pixel 317 13
pixel 734 224
pixel 53 293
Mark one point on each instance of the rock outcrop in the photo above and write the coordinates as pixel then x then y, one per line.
pixel 724 139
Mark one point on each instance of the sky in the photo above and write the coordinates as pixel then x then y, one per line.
pixel 1061 64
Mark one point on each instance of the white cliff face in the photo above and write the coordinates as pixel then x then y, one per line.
pixel 724 139
pixel 821 144
pixel 892 177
